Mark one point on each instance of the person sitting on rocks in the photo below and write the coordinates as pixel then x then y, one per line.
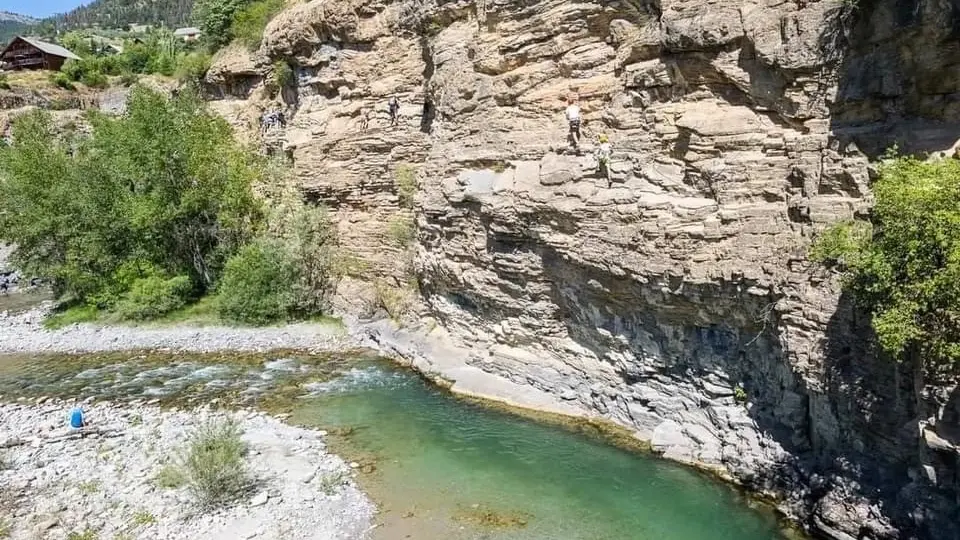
pixel 573 118
pixel 394 107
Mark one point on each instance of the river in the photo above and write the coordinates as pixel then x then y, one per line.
pixel 438 466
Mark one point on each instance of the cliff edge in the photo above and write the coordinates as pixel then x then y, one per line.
pixel 671 293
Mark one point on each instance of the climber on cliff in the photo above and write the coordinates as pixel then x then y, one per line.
pixel 394 107
pixel 573 118
pixel 603 153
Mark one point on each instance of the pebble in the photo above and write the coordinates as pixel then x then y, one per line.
pixel 24 333
pixel 100 484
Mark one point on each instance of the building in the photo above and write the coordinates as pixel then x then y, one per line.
pixel 187 34
pixel 29 53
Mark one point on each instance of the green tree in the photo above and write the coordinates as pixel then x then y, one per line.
pixel 249 22
pixel 214 18
pixel 163 191
pixel 905 269
pixel 258 285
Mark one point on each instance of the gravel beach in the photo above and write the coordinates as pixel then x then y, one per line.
pixel 104 485
pixel 24 333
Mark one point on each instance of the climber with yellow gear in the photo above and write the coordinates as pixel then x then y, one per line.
pixel 603 153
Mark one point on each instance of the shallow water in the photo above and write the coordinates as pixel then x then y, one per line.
pixel 454 470
pixel 440 468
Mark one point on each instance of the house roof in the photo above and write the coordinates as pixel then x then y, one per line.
pixel 186 31
pixel 50 48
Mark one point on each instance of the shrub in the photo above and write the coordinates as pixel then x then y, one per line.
pixel 258 285
pixel 129 78
pixel 906 272
pixel 214 464
pixel 62 80
pixel 309 236
pixel 94 79
pixel 154 296
pixel 4 83
pixel 73 69
pixel 5 528
pixel 282 74
pixel 248 23
pixel 87 534
pixel 165 185
pixel 192 67
pixel 406 181
pixel 171 477
pixel 396 301
pixel 401 232
pixel 142 518
pixel 215 17
pixel 739 394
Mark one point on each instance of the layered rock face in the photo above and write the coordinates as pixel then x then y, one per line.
pixel 671 293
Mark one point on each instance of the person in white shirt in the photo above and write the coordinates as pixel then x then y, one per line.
pixel 573 118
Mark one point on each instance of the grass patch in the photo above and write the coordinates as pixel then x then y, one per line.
pixel 72 315
pixel 329 484
pixel 203 312
pixel 406 181
pixel 87 534
pixel 398 302
pixel 401 231
pixel 171 477
pixel 143 518
pixel 90 487
pixel 5 528
pixel 214 466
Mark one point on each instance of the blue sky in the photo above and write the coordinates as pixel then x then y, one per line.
pixel 39 8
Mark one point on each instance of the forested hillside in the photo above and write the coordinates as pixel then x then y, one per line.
pixel 120 13
pixel 12 24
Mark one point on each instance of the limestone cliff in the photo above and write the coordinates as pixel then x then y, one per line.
pixel 675 297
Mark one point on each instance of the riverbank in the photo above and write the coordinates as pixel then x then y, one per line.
pixel 24 332
pixel 107 484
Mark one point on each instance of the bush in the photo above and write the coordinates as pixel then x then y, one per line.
pixel 164 186
pixel 171 477
pixel 4 83
pixel 129 78
pixel 258 285
pixel 62 80
pixel 282 74
pixel 73 69
pixel 192 67
pixel 212 465
pixel 401 232
pixel 248 23
pixel 94 79
pixel 906 274
pixel 154 296
pixel 215 17
pixel 309 236
pixel 406 181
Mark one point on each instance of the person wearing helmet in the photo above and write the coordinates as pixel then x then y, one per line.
pixel 603 153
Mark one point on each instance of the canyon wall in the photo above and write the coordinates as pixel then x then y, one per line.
pixel 673 294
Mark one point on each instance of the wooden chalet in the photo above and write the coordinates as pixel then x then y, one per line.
pixel 29 53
